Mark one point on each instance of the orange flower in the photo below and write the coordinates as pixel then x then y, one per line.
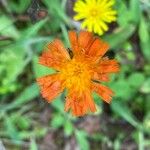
pixel 80 74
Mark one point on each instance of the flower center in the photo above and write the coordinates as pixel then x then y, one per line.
pixel 76 75
pixel 93 12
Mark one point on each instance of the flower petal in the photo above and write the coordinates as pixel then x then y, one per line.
pixel 50 86
pixel 104 92
pixel 85 43
pixel 54 55
pixel 95 22
pixel 85 40
pixel 107 66
pixel 90 102
pixel 79 105
pixel 98 48
pixel 73 41
pixel 100 77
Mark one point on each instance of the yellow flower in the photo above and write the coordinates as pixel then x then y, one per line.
pixel 95 14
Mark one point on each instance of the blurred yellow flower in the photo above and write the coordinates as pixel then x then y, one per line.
pixel 95 14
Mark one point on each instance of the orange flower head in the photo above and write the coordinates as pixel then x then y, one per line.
pixel 81 74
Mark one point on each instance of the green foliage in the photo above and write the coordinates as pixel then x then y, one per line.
pixel 135 11
pixel 33 145
pixel 68 128
pixel 57 121
pixel 146 86
pixel 55 9
pixel 7 27
pixel 81 137
pixel 119 37
pixel 26 120
pixel 11 65
pixel 27 95
pixel 122 110
pixel 136 77
pixel 18 6
pixel 144 35
pixel 11 130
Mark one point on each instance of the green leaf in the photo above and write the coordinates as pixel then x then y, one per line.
pixel 33 145
pixel 57 121
pixel 27 95
pixel 68 128
pixel 12 63
pixel 38 132
pixel 58 103
pixel 122 110
pixel 141 140
pixel 7 28
pixel 147 119
pixel 122 89
pixel 56 9
pixel 136 79
pixel 144 38
pixel 18 6
pixel 33 30
pixel 120 36
pixel 117 144
pixel 122 11
pixel 65 35
pixel 82 140
pixel 135 11
pixel 146 86
pixel 22 122
pixel 11 129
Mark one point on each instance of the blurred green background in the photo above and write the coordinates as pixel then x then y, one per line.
pixel 27 122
